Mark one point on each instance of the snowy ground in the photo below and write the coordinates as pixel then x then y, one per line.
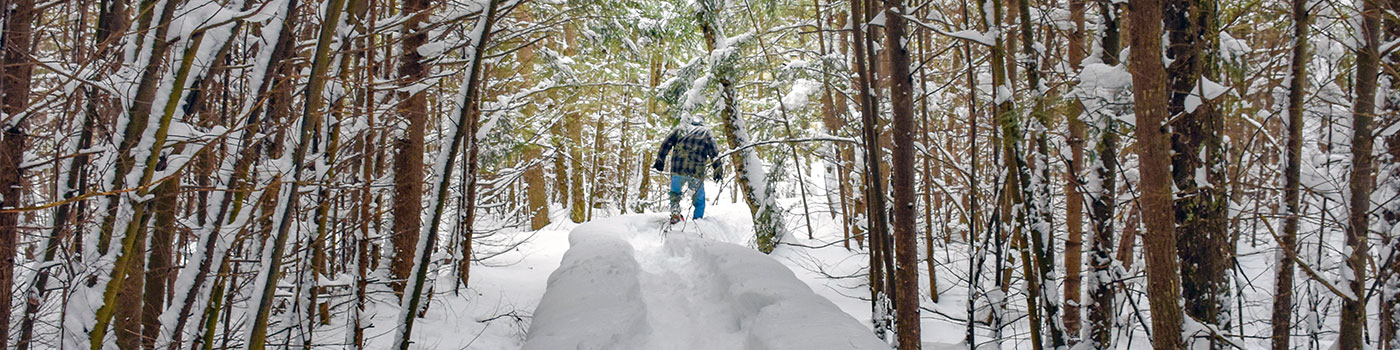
pixel 669 303
pixel 623 286
pixel 496 311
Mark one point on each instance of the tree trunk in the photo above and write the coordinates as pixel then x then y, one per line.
pixel 534 178
pixel 1074 197
pixel 1282 318
pixel 288 200
pixel 1390 212
pixel 1154 152
pixel 751 176
pixel 561 164
pixel 974 265
pixel 1103 200
pixel 369 227
pixel 131 249
pixel 536 191
pixel 126 321
pixel 473 148
pixel 925 129
pixel 469 108
pixel 1035 183
pixel 1200 207
pixel 905 211
pixel 160 264
pixel 573 126
pixel 598 190
pixel 15 43
pixel 654 71
pixel 1353 315
pixel 831 122
pixel 408 163
pixel 876 218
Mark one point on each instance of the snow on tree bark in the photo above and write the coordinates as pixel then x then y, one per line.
pixel 752 176
pixel 1353 277
pixel 1197 129
pixel 192 291
pixel 1388 182
pixel 15 57
pixel 290 191
pixel 1102 189
pixel 408 161
pixel 463 114
pixel 1282 316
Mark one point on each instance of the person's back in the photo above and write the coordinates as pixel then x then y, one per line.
pixel 692 147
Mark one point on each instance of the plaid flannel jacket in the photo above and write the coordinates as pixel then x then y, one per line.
pixel 691 146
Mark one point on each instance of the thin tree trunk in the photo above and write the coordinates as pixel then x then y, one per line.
pixel 369 222
pixel 160 264
pixel 471 176
pixel 131 250
pixel 905 209
pixel 831 122
pixel 1074 197
pixel 1282 318
pixel 469 99
pixel 599 149
pixel 1035 182
pixel 126 321
pixel 974 265
pixel 928 177
pixel 1390 212
pixel 752 179
pixel 1103 200
pixel 877 224
pixel 534 178
pixel 310 124
pixel 75 181
pixel 15 43
pixel 1353 315
pixel 315 244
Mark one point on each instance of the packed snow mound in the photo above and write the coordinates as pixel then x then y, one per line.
pixel 621 285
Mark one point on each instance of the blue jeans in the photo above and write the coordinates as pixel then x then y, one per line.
pixel 697 185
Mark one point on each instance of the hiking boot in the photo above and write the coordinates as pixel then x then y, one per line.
pixel 676 218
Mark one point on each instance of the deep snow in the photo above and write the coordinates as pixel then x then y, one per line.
pixel 506 290
pixel 622 285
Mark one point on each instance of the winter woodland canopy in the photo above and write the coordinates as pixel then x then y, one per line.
pixel 949 174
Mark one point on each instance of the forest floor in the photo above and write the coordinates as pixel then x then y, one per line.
pixel 672 301
pixel 683 309
pixel 623 285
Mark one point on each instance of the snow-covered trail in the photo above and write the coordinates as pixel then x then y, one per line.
pixel 681 299
pixel 621 285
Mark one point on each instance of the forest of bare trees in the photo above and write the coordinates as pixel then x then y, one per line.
pixel 1026 174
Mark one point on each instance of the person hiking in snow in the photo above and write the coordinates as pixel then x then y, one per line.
pixel 692 147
